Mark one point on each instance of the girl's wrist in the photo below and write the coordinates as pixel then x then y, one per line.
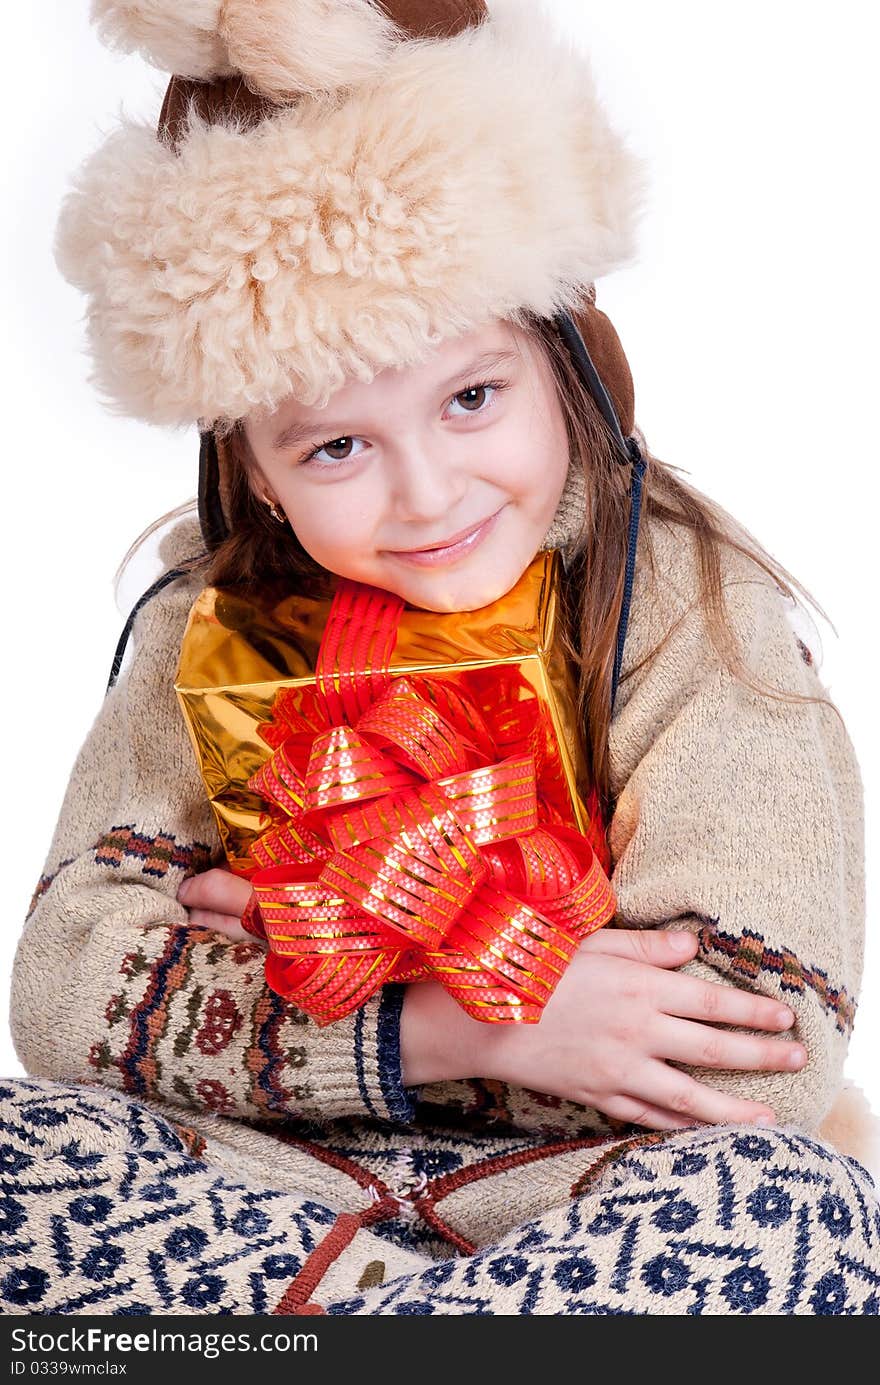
pixel 438 1040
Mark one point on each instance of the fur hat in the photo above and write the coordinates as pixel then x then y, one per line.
pixel 335 187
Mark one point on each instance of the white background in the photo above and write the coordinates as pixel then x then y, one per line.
pixel 749 322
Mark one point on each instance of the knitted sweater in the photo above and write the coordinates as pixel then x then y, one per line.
pixel 737 816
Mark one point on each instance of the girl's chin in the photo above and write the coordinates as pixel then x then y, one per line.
pixel 465 592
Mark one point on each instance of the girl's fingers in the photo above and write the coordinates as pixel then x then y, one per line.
pixel 222 923
pixel 672 1090
pixel 712 1001
pixel 701 1046
pixel 217 890
pixel 634 1112
pixel 657 947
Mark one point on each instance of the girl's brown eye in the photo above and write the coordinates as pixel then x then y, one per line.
pixel 468 395
pixel 343 443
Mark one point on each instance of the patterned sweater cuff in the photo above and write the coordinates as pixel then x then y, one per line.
pixel 399 1100
pixel 372 1085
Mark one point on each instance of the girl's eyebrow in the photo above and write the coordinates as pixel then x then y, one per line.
pixel 301 432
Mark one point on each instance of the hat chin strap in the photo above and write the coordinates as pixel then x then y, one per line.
pixel 568 330
pixel 211 516
pixel 628 452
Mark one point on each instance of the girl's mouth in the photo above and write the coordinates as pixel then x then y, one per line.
pixel 451 552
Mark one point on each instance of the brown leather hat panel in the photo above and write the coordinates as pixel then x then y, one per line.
pixel 435 18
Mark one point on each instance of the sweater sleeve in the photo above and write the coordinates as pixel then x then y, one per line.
pixel 740 816
pixel 110 984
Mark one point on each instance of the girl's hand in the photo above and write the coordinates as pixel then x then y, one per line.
pixel 217 899
pixel 618 1019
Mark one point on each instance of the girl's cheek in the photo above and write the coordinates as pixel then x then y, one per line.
pixel 344 541
pixel 314 526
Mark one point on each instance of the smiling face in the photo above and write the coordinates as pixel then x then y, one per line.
pixel 470 445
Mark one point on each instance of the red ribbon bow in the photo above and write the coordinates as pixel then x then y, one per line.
pixel 401 847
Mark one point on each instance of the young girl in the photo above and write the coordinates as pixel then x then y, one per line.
pixel 380 311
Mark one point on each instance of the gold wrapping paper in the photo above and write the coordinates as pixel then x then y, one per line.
pixel 238 652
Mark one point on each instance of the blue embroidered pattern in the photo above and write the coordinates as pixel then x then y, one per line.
pixel 108 1207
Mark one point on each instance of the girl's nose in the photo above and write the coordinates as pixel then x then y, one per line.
pixel 425 487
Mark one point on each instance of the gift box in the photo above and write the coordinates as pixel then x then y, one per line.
pixel 404 789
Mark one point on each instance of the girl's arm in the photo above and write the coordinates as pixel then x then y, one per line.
pixel 741 817
pixel 109 983
pixel 738 818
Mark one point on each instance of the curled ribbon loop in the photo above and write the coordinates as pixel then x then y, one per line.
pixel 401 847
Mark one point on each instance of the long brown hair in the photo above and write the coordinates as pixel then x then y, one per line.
pixel 261 555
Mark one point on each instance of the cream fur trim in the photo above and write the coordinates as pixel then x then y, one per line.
pixel 280 46
pixel 852 1128
pixel 188 44
pixel 478 179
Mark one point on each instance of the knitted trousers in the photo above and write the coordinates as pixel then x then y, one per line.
pixel 107 1207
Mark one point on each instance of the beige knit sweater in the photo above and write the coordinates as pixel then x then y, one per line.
pixel 737 816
